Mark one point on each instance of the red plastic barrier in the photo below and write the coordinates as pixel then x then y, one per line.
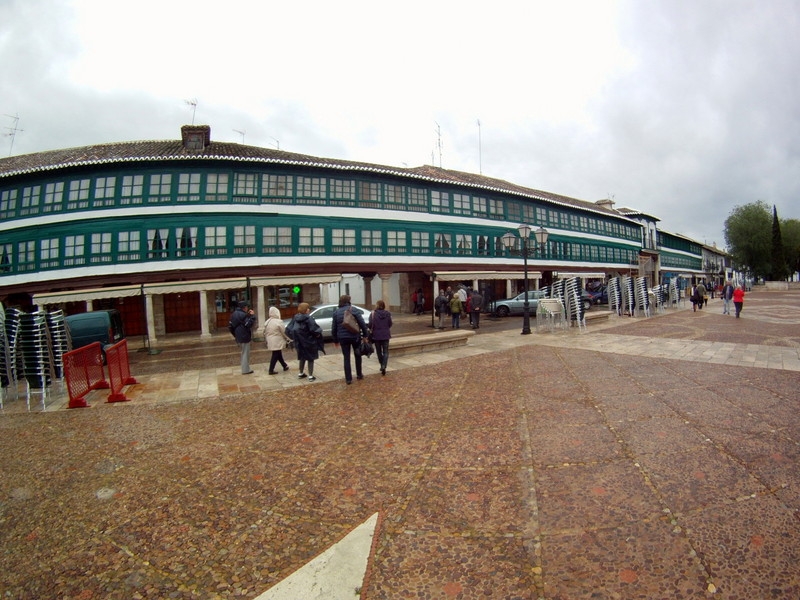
pixel 119 370
pixel 83 372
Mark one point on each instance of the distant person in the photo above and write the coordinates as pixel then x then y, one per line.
pixel 380 325
pixel 349 340
pixel 307 336
pixel 241 326
pixel 694 298
pixel 442 307
pixel 276 338
pixel 455 310
pixel 738 299
pixel 476 305
pixel 727 297
pixel 702 290
pixel 419 307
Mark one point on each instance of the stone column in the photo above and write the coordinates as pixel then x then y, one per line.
pixel 205 333
pixel 385 292
pixel 151 323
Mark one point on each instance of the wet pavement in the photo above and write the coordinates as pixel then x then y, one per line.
pixel 638 458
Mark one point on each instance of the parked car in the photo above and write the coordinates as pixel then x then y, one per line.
pixel 104 326
pixel 323 315
pixel 515 306
pixel 599 295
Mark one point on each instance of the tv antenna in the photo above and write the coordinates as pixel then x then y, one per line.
pixel 241 132
pixel 480 154
pixel 12 131
pixel 277 142
pixel 193 104
pixel 439 142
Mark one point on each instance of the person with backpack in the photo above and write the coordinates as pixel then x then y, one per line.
pixel 241 327
pixel 348 331
pixel 306 334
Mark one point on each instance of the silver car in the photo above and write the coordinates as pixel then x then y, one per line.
pixel 323 315
pixel 515 306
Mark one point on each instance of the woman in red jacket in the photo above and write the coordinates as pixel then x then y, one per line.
pixel 738 299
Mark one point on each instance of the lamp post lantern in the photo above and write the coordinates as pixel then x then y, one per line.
pixel 510 242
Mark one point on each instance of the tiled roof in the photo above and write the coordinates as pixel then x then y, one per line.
pixel 174 150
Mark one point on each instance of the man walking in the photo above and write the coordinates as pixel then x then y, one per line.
pixel 727 297
pixel 477 306
pixel 241 326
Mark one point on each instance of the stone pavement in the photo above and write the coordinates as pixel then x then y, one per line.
pixel 641 458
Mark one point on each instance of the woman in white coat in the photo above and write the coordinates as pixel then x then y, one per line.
pixel 275 335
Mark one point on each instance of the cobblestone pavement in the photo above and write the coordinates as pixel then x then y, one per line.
pixel 639 458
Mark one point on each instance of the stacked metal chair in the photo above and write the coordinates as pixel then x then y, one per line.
pixel 9 357
pixel 59 340
pixel 37 357
pixel 615 295
pixel 642 298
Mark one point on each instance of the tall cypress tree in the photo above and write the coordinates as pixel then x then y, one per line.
pixel 778 263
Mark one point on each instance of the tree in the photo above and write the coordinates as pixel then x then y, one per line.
pixel 748 237
pixel 777 271
pixel 790 230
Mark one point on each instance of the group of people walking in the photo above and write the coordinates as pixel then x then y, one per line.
pixel 730 293
pixel 306 336
pixel 457 304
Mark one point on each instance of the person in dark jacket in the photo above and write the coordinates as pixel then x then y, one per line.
pixel 347 339
pixel 476 306
pixel 307 337
pixel 241 325
pixel 380 324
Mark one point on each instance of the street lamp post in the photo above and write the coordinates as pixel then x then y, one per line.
pixel 510 242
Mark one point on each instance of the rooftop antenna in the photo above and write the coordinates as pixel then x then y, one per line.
pixel 439 142
pixel 480 157
pixel 193 104
pixel 241 132
pixel 12 131
pixel 277 142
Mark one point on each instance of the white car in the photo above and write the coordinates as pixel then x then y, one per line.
pixel 323 315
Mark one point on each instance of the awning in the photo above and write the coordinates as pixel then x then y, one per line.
pixel 473 275
pixel 583 275
pixel 178 287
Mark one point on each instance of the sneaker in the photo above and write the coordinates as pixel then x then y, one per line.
pixel 312 378
pixel 301 376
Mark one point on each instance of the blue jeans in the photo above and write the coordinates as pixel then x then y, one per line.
pixel 382 349
pixel 456 320
pixel 726 306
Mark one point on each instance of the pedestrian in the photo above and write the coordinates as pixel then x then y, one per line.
pixel 241 326
pixel 455 310
pixel 414 302
pixel 349 340
pixel 307 337
pixel 276 338
pixel 702 295
pixel 694 298
pixel 442 307
pixel 476 305
pixel 380 325
pixel 727 296
pixel 738 299
pixel 420 308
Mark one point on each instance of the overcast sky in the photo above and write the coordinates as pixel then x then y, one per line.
pixel 682 109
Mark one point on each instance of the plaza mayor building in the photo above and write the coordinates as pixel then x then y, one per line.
pixel 173 233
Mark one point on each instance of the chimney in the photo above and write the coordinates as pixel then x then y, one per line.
pixel 196 138
pixel 606 203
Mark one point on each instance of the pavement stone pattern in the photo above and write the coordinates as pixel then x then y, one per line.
pixel 638 458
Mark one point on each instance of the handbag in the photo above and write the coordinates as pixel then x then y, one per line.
pixel 365 349
pixel 349 321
